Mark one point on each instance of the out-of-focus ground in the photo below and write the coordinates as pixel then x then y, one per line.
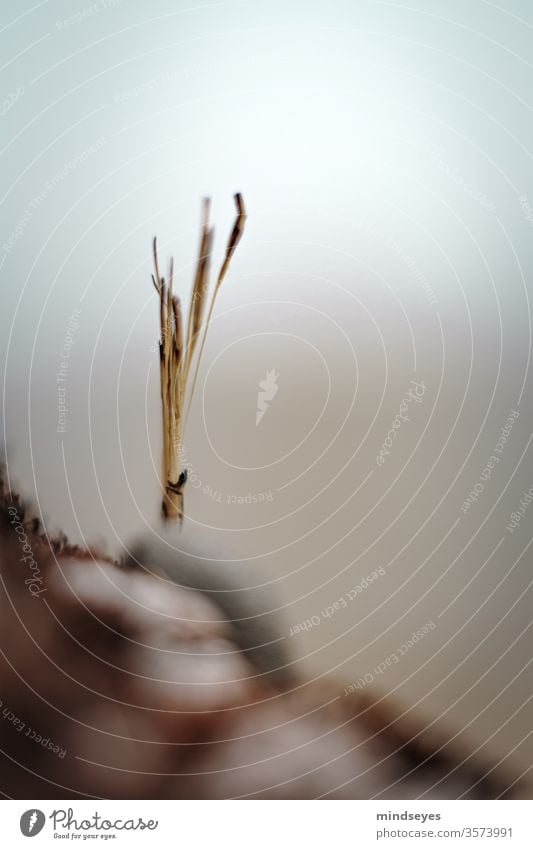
pixel 118 683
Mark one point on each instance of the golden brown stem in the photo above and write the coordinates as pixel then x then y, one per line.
pixel 175 358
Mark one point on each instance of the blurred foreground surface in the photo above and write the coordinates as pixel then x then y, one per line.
pixel 116 683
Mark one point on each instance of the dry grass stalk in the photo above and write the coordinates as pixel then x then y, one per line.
pixel 176 354
pixel 233 241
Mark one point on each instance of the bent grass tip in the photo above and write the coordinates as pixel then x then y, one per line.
pixel 176 354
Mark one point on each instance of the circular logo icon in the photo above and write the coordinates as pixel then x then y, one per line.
pixel 32 822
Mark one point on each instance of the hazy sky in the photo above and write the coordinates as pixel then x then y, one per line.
pixel 384 154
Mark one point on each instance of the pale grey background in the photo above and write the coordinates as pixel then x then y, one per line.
pixel 382 150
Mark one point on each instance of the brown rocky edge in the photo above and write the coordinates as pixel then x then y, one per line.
pixel 116 683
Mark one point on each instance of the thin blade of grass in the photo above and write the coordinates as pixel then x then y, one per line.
pixel 234 239
pixel 199 289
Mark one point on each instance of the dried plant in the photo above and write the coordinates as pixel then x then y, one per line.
pixel 177 354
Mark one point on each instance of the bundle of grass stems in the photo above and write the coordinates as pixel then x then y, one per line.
pixel 177 350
